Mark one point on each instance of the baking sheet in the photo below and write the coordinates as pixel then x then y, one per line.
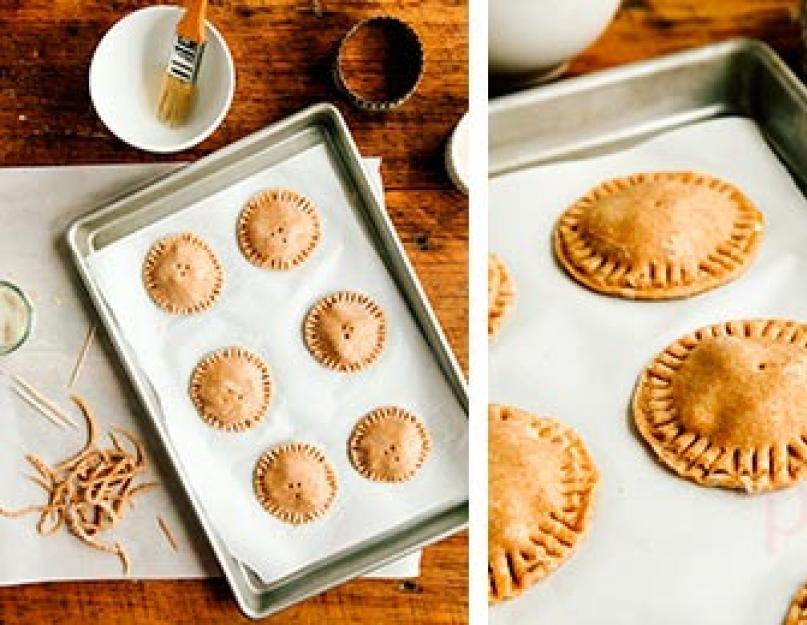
pixel 660 549
pixel 40 202
pixel 264 310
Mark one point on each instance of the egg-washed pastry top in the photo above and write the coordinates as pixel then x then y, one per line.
pixel 295 482
pixel 726 405
pixel 658 235
pixel 232 389
pixel 390 444
pixel 501 294
pixel 541 485
pixel 182 274
pixel 345 331
pixel 279 229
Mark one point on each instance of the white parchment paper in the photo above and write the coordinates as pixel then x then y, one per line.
pixel 661 550
pixel 36 204
pixel 263 311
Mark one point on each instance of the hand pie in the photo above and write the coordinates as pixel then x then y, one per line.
pixel 727 404
pixel 658 235
pixel 501 294
pixel 541 484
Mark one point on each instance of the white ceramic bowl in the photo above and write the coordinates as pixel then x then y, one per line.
pixel 126 75
pixel 534 37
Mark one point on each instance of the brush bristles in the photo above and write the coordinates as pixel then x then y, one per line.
pixel 176 99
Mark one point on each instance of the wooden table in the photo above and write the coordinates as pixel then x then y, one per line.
pixel 648 28
pixel 282 53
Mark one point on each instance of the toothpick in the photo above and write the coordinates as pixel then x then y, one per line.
pixel 45 401
pixel 41 409
pixel 169 536
pixel 82 356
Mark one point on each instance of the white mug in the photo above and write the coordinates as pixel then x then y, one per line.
pixel 530 38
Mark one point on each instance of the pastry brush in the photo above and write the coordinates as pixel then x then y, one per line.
pixel 179 81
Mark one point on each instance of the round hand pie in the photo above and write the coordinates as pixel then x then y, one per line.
pixel 232 389
pixel 727 405
pixel 278 229
pixel 797 615
pixel 182 274
pixel 501 294
pixel 295 482
pixel 389 444
pixel 541 484
pixel 345 331
pixel 658 235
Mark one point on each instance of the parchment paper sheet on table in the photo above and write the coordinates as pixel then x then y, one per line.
pixel 41 202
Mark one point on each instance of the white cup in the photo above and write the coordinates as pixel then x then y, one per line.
pixel 530 39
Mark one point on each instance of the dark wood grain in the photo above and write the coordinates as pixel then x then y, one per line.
pixel 283 54
pixel 648 28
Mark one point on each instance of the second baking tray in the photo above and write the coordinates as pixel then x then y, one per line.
pixel 660 549
pixel 320 125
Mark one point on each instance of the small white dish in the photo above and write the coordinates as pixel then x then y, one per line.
pixel 456 155
pixel 126 75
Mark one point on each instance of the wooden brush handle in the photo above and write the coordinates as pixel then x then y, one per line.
pixel 192 24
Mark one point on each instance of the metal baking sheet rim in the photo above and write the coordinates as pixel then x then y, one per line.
pixel 522 149
pixel 254 598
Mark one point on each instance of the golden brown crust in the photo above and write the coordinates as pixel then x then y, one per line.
pixel 541 486
pixel 232 389
pixel 658 235
pixel 182 274
pixel 726 405
pixel 278 229
pixel 389 444
pixel 797 614
pixel 295 482
pixel 501 294
pixel 345 331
